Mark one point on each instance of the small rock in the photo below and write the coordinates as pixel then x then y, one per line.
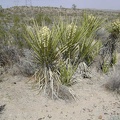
pixel 100 117
pixel 105 113
pixel 14 82
pixel 49 116
pixel 41 118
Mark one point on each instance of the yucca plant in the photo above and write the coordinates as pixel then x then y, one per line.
pixel 115 34
pixel 79 40
pixel 67 70
pixel 44 43
pixel 66 38
pixel 88 47
pixel 80 44
pixel 59 50
pixel 114 30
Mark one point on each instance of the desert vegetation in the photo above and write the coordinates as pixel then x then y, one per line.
pixel 53 42
pixel 67 55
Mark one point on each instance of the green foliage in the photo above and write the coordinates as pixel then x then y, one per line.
pixel 105 67
pixel 3 33
pixel 59 50
pixel 66 72
pixel 2 14
pixel 114 58
pixel 79 40
pixel 42 19
pixel 88 48
pixel 44 42
pixel 114 27
pixel 114 30
pixel 16 19
pixel 16 33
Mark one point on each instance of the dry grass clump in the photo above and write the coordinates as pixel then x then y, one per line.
pixel 113 83
pixel 8 55
pixel 26 64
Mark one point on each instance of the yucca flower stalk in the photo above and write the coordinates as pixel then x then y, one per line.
pixel 71 29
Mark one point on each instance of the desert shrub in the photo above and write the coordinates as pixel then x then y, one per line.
pixel 110 47
pixel 16 19
pixel 3 33
pixel 79 40
pixel 113 83
pixel 8 56
pixel 88 46
pixel 105 66
pixel 16 33
pixel 26 64
pixel 59 50
pixel 43 19
pixel 114 28
pixel 44 42
pixel 67 70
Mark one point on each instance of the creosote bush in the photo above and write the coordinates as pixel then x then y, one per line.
pixel 113 83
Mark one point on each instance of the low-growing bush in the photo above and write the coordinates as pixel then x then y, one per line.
pixel 110 46
pixel 8 55
pixel 113 83
pixel 43 19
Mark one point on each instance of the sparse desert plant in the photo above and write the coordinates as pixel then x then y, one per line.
pixel 44 43
pixel 88 46
pixel 55 46
pixel 113 83
pixel 110 47
pixel 26 65
pixel 8 55
pixel 67 69
pixel 3 33
pixel 79 40
pixel 16 33
pixel 114 28
pixel 105 66
pixel 43 19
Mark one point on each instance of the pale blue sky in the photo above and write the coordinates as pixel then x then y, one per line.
pixel 97 4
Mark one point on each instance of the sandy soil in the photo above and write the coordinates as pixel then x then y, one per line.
pixel 92 102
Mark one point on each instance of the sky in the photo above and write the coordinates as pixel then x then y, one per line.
pixel 94 4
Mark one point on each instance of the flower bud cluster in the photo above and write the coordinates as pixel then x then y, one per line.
pixel 71 30
pixel 91 17
pixel 45 34
pixel 116 26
